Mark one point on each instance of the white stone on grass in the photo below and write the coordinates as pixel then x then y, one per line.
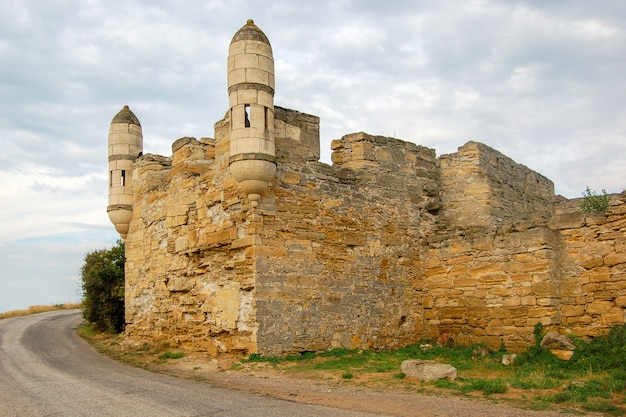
pixel 425 370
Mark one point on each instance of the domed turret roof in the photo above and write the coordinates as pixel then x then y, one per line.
pixel 250 31
pixel 126 116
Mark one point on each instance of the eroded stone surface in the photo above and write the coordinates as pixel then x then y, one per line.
pixel 424 370
pixel 554 340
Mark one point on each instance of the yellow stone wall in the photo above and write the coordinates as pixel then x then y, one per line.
pixel 339 266
pixel 388 245
pixel 494 286
pixel 593 267
pixel 189 280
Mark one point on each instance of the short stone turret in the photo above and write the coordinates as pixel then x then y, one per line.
pixel 125 145
pixel 251 100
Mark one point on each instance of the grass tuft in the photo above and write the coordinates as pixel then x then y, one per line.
pixel 87 330
pixel 606 407
pixel 171 355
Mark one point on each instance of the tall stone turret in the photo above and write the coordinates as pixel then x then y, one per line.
pixel 125 145
pixel 251 99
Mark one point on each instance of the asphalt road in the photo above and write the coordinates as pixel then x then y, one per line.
pixel 47 370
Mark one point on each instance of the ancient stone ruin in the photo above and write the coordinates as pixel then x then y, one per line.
pixel 245 242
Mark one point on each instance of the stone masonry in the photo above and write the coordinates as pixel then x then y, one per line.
pixel 386 246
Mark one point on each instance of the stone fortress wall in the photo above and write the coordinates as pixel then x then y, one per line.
pixel 386 246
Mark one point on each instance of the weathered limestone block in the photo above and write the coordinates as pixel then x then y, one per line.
pixel 599 307
pixel 573 310
pixel 554 340
pixel 614 316
pixel 562 354
pixel 572 220
pixel 180 284
pixel 425 370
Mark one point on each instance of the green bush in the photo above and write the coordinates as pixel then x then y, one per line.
pixel 103 288
pixel 603 353
pixel 594 203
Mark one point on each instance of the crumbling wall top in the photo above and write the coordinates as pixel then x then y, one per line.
pixel 297 136
pixel 483 187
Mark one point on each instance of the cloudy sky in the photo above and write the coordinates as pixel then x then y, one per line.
pixel 543 82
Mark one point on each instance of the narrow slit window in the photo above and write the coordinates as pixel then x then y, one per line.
pixel 111 179
pixel 267 121
pixel 246 108
pixel 123 178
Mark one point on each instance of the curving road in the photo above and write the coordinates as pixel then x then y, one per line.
pixel 47 370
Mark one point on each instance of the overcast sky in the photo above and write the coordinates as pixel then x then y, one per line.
pixel 542 82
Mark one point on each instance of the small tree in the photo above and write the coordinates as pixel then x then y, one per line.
pixel 103 288
pixel 594 203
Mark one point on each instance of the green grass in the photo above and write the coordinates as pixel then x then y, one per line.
pixel 87 330
pixel 171 355
pixel 487 386
pixel 467 385
pixel 605 407
pixel 534 382
pixel 593 380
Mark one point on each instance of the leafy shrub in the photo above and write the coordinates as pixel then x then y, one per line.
pixel 594 203
pixel 602 353
pixel 103 288
pixel 535 354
